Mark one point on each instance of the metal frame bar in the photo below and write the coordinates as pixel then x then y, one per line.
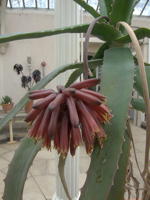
pixel 23 3
pixel 36 4
pixel 144 7
pixel 48 4
pixel 10 3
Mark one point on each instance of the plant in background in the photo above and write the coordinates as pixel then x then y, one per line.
pixel 27 81
pixel 121 73
pixel 6 103
pixel 6 100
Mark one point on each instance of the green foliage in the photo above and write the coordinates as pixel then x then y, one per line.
pixel 40 85
pixel 6 100
pixel 77 73
pixel 140 34
pixel 118 188
pixel 103 31
pixel 117 76
pixel 100 51
pixel 122 10
pixel 138 104
pixel 137 84
pixel 87 8
pixel 106 7
pixel 74 76
pixel 18 169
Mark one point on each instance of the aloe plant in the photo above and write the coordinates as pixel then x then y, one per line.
pixel 119 77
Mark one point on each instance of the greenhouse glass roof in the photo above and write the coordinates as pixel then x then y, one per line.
pixel 142 8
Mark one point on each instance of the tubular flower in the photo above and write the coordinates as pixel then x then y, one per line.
pixel 69 117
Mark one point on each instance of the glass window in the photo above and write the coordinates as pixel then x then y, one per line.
pixel 140 9
pixel 30 3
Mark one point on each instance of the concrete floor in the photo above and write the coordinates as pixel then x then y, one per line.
pixel 41 180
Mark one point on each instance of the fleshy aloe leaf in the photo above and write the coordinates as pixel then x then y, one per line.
pixel 18 169
pixel 106 7
pixel 100 51
pixel 117 83
pixel 102 31
pixel 74 76
pixel 118 188
pixel 138 104
pixel 140 34
pixel 137 84
pixel 87 8
pixel 40 85
pixel 122 10
pixel 78 72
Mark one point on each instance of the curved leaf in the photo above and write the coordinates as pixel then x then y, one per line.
pixel 122 10
pixel 40 85
pixel 102 31
pixel 117 84
pixel 140 34
pixel 118 188
pixel 137 81
pixel 18 169
pixel 87 8
pixel 74 76
pixel 138 104
pixel 100 51
pixel 106 7
pixel 77 73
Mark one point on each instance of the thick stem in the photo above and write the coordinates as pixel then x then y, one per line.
pixel 145 93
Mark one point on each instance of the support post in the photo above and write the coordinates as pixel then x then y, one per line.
pixel 11 135
pixel 67 51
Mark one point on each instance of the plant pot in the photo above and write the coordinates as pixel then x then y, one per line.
pixel 7 107
pixel 28 106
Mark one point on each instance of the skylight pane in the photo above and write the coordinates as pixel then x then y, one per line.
pixel 8 4
pixel 139 7
pixel 51 4
pixel 147 10
pixel 29 3
pixel 93 3
pixel 42 4
pixel 17 3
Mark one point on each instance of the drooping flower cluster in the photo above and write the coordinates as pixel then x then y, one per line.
pixel 69 117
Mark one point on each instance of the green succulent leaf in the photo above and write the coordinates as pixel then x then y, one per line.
pixel 118 188
pixel 18 169
pixel 74 76
pixel 106 7
pixel 140 34
pixel 87 8
pixel 103 31
pixel 137 84
pixel 138 104
pixel 116 84
pixel 122 10
pixel 77 73
pixel 100 52
pixel 40 85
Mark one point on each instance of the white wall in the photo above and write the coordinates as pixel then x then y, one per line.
pixel 17 52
